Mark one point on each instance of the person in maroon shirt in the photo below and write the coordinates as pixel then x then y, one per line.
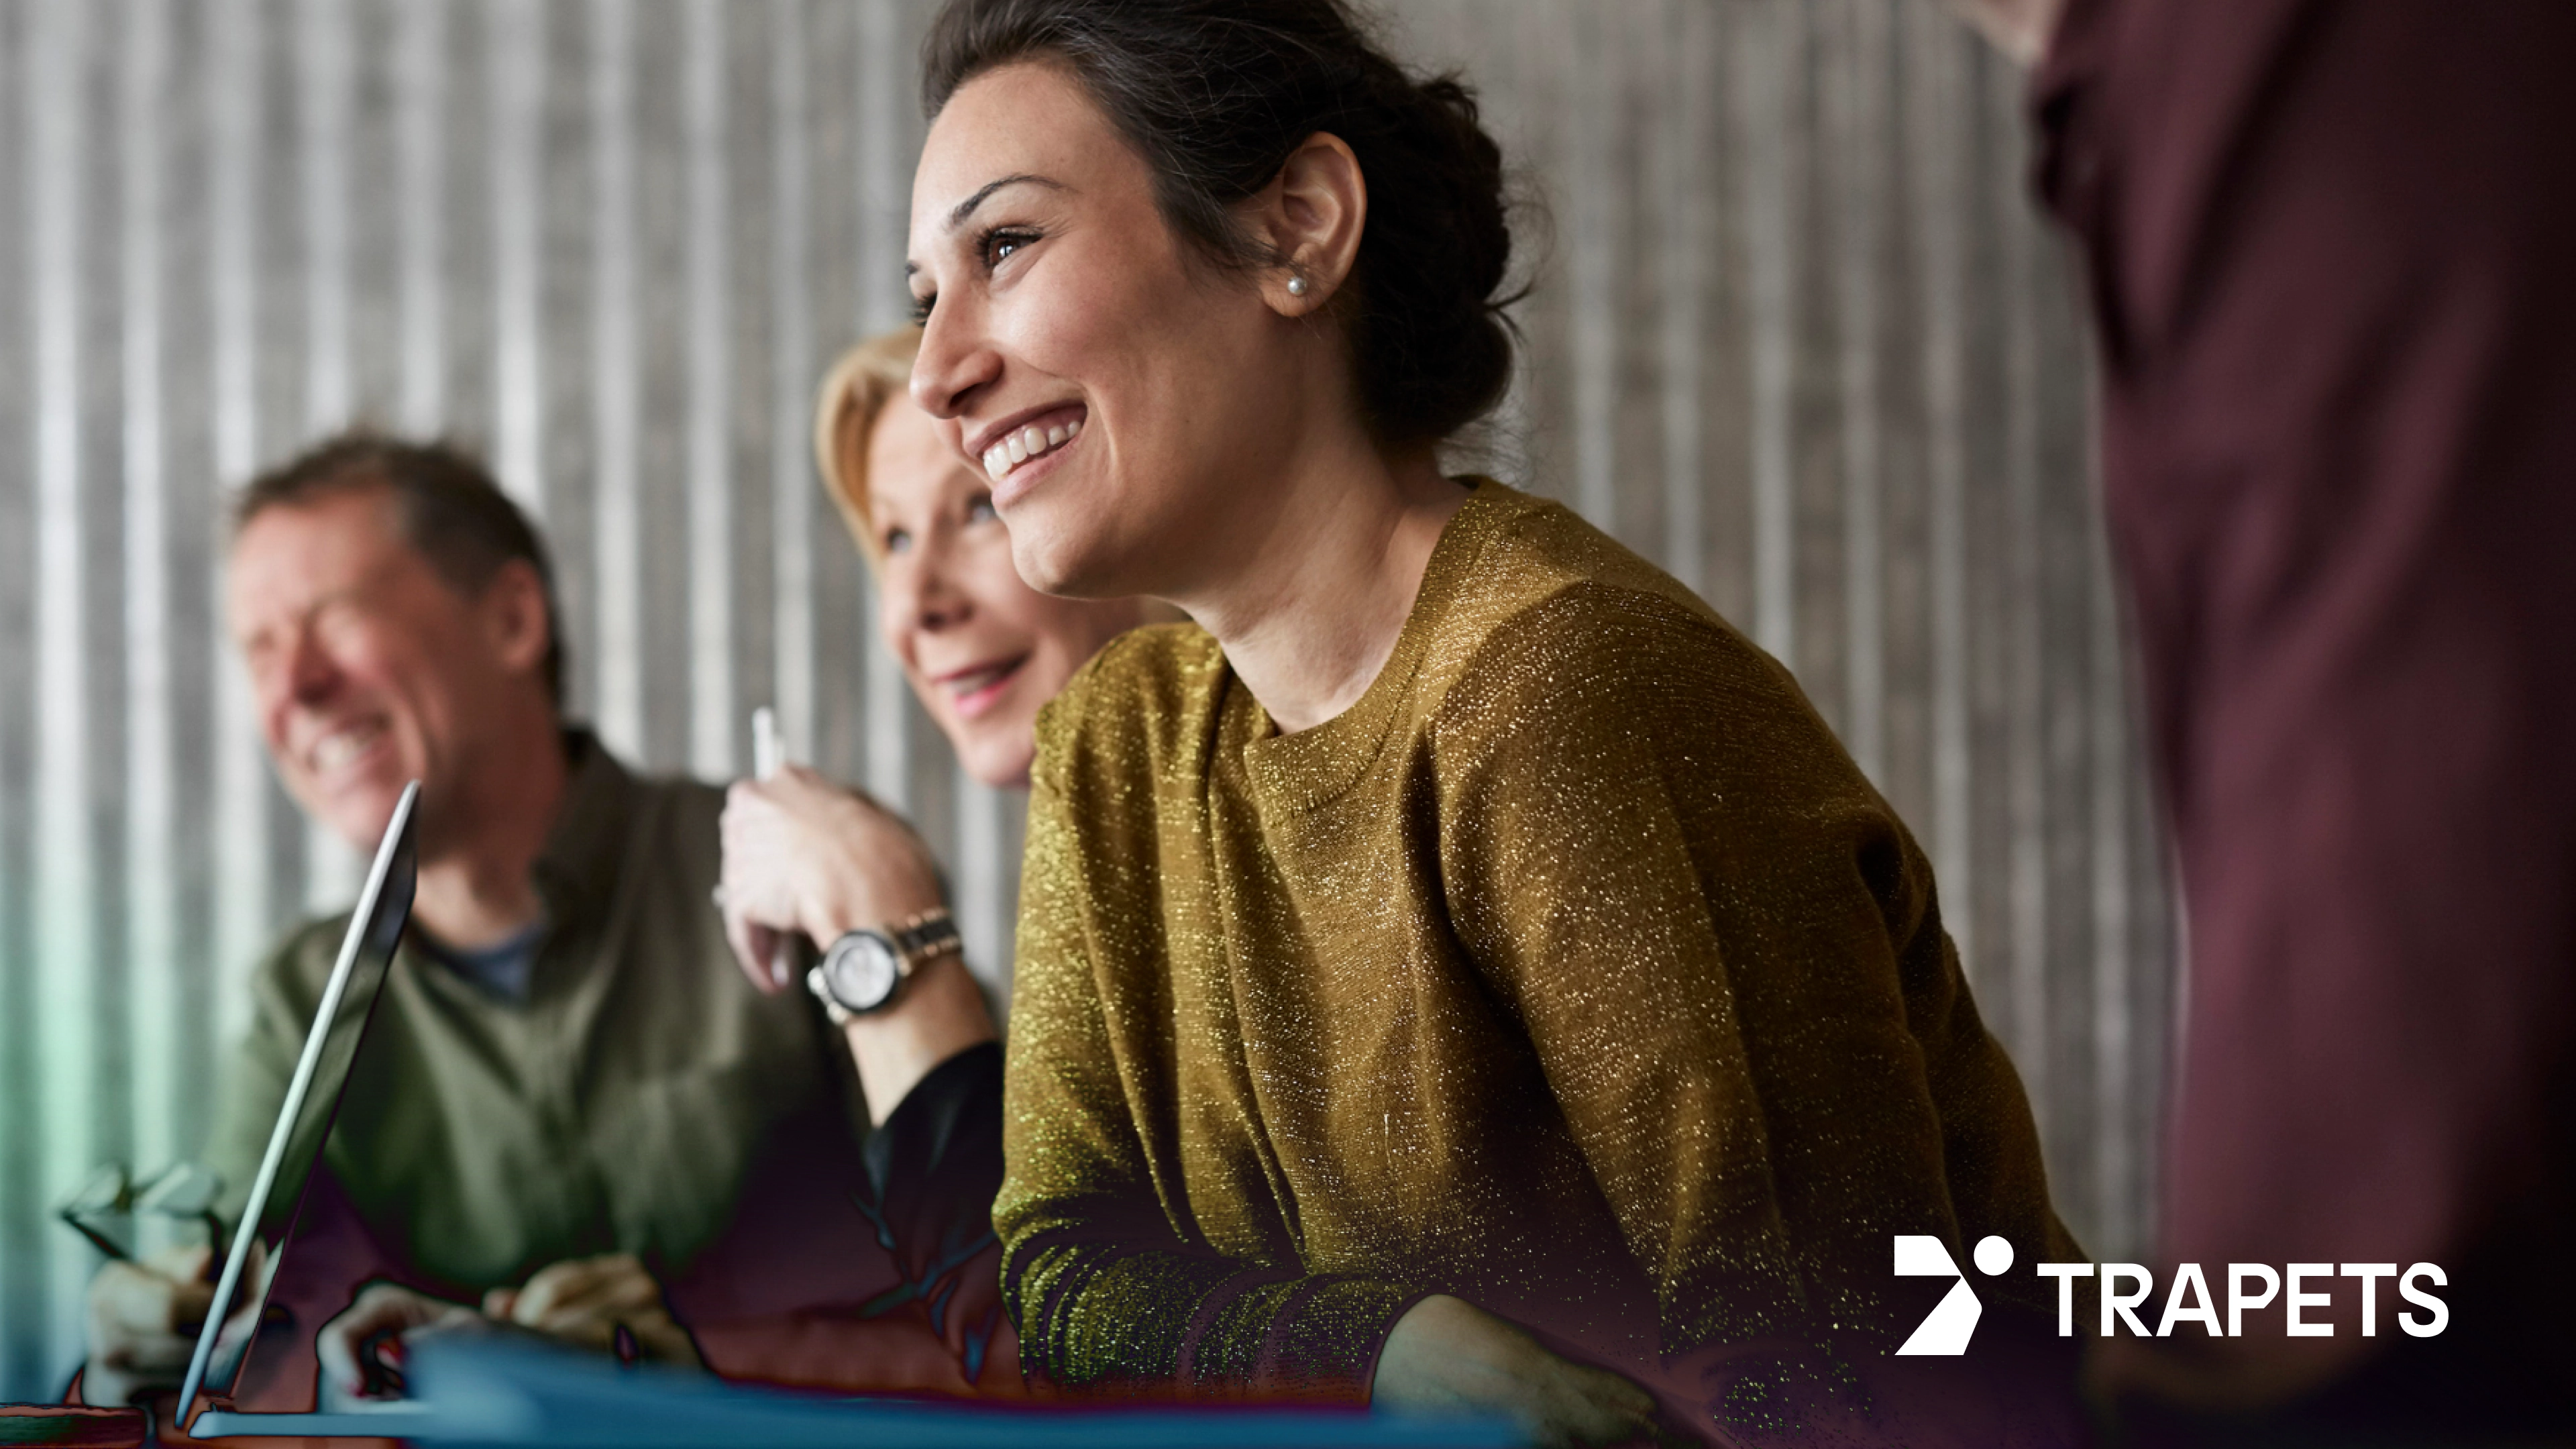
pixel 2331 249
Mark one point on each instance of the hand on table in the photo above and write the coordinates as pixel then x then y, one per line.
pixel 1447 1356
pixel 361 1350
pixel 804 854
pixel 584 1302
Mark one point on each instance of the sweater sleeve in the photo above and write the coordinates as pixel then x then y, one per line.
pixel 1107 1292
pixel 1723 949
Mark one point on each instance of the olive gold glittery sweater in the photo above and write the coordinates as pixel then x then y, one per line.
pixel 1575 970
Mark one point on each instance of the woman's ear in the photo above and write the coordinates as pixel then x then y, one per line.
pixel 1311 216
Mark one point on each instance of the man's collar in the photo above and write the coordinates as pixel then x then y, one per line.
pixel 576 873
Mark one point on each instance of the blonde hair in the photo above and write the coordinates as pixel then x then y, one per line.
pixel 853 396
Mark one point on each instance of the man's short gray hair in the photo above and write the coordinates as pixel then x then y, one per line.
pixel 452 512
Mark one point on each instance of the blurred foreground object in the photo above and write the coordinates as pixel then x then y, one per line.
pixel 2330 250
pixel 497 1391
pixel 88 1428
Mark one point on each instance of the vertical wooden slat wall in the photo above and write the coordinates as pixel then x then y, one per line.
pixel 1796 335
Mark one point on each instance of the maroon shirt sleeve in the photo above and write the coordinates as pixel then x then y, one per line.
pixel 2332 255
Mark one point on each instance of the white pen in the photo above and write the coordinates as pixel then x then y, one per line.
pixel 768 752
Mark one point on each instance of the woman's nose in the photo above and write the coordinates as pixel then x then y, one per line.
pixel 954 361
pixel 924 595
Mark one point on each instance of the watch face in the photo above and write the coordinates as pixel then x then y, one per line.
pixel 861 970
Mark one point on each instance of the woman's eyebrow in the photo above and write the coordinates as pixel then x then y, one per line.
pixel 964 209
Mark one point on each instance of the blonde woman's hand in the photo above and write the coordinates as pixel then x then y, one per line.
pixel 803 854
pixel 1447 1356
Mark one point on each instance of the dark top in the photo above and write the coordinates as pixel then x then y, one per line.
pixel 2332 249
pixel 503 969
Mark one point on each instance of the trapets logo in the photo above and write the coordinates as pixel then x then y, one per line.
pixel 1944 1331
pixel 2127 1287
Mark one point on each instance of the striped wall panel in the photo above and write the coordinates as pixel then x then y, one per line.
pixel 1797 335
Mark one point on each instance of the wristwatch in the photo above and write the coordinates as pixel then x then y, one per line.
pixel 864 969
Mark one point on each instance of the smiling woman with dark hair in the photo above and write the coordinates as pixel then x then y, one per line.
pixel 1457 969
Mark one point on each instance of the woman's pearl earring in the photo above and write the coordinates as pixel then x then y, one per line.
pixel 1296 286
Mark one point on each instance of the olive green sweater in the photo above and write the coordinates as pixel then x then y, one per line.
pixel 616 1109
pixel 1574 970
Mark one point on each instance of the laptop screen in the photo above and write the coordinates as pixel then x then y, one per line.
pixel 312 1102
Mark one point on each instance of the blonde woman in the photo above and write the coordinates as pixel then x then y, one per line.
pixel 804 854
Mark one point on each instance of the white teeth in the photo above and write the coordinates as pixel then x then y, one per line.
pixel 1027 443
pixel 985 678
pixel 341 746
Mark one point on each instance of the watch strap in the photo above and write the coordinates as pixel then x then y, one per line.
pixel 932 933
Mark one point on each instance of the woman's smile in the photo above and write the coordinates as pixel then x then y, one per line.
pixel 977 688
pixel 1008 452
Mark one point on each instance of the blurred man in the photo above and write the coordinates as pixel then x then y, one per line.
pixel 2332 249
pixel 571 1111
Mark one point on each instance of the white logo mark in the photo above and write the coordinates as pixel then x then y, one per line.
pixel 1944 1331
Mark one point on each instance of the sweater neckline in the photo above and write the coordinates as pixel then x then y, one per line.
pixel 1313 766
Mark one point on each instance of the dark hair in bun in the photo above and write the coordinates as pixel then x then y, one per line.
pixel 1215 94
